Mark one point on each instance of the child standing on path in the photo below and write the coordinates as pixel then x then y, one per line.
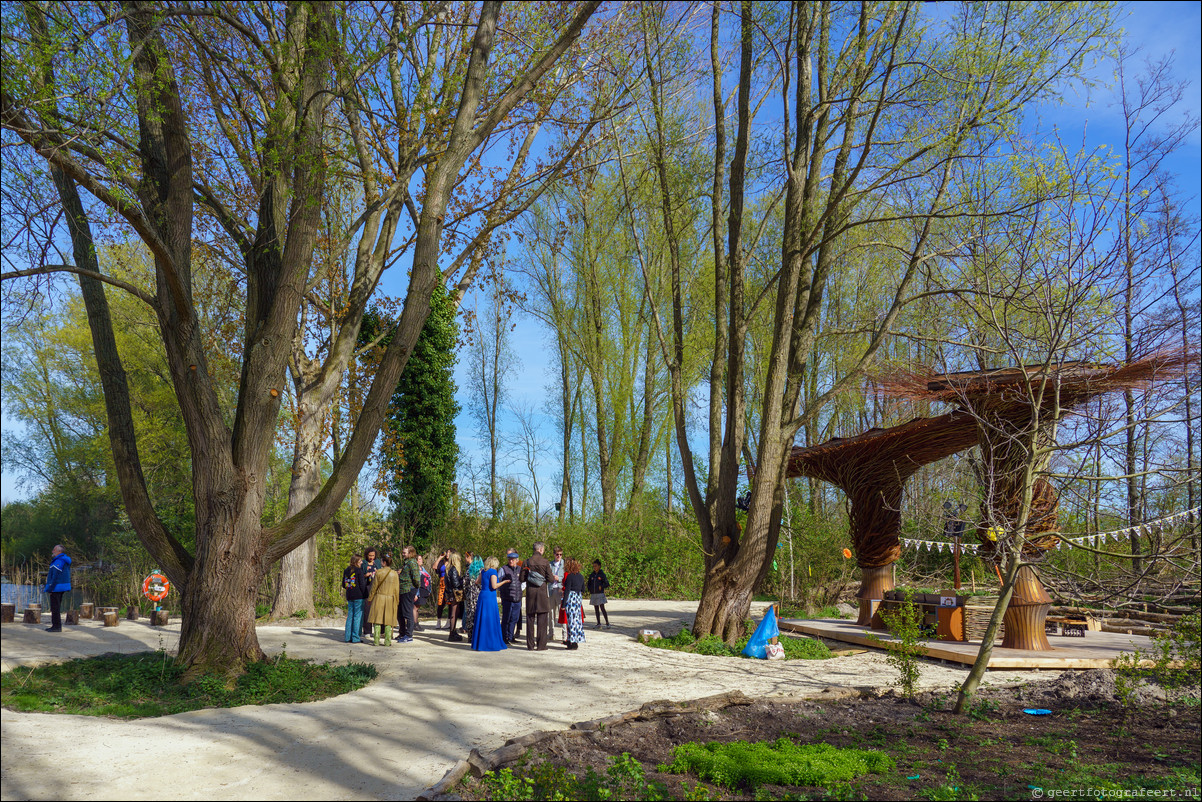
pixel 598 583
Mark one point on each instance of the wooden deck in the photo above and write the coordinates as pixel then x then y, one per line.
pixel 1095 650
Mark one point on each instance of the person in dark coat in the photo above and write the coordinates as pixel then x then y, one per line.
pixel 58 582
pixel 511 597
pixel 598 583
pixel 371 564
pixel 410 584
pixel 455 588
pixel 355 584
pixel 538 599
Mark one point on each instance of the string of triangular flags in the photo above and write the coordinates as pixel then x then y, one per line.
pixel 1148 527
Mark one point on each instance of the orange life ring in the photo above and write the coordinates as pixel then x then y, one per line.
pixel 155 587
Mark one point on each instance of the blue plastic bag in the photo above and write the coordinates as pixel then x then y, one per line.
pixel 766 631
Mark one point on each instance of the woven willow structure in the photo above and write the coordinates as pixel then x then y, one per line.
pixel 1006 412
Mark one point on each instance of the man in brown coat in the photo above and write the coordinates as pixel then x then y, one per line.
pixel 538 600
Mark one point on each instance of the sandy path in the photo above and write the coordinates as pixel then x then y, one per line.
pixel 432 703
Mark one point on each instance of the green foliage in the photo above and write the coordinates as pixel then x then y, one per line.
pixel 749 765
pixel 905 624
pixel 418 449
pixel 1172 661
pixel 149 684
pixel 646 553
pixel 821 574
pixel 795 648
pixel 625 778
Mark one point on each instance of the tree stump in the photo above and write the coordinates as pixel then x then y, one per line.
pixel 8 613
pixel 158 618
pixel 131 612
pixel 33 614
pixel 71 617
pixel 87 610
pixel 111 618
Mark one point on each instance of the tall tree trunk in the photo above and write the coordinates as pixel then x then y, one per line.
pixel 218 632
pixel 294 590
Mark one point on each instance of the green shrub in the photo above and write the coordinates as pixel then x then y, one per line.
pixel 1172 661
pixel 624 779
pixel 905 624
pixel 740 764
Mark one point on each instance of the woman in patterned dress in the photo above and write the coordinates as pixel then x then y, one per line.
pixel 471 594
pixel 573 602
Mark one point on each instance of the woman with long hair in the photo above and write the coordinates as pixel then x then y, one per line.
pixel 573 602
pixel 486 634
pixel 385 593
pixel 454 591
pixel 471 593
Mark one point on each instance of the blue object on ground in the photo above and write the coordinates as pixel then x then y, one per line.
pixel 1037 711
pixel 766 631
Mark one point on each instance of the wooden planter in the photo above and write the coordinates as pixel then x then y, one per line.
pixel 951 624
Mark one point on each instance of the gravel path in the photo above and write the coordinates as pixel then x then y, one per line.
pixel 432 703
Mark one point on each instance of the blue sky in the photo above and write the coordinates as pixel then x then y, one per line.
pixel 1156 28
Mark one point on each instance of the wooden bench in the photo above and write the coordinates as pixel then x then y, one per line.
pixel 1065 626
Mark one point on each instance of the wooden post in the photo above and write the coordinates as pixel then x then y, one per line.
pixel 956 561
pixel 87 610
pixel 8 613
pixel 158 618
pixel 111 618
pixel 33 614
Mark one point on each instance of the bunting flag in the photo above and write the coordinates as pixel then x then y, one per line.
pixel 1096 540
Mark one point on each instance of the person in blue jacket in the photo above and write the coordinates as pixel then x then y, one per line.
pixel 58 582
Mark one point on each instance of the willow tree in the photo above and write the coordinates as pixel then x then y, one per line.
pixel 874 115
pixel 111 100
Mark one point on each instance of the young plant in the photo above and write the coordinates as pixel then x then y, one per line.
pixel 905 624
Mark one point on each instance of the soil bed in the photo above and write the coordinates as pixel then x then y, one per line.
pixel 1088 741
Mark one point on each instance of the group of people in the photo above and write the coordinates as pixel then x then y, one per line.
pixel 482 595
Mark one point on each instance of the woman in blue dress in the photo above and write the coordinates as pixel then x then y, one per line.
pixel 486 633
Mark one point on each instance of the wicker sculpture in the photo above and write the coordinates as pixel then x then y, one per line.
pixel 871 469
pixel 1003 411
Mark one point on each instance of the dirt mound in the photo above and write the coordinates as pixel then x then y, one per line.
pixel 1072 688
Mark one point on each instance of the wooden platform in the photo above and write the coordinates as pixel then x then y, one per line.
pixel 1095 650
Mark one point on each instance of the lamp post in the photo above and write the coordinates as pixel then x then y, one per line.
pixel 953 527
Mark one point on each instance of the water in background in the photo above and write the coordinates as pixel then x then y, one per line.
pixel 23 595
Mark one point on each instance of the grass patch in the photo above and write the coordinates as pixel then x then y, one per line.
pixel 749 765
pixel 795 648
pixel 148 684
